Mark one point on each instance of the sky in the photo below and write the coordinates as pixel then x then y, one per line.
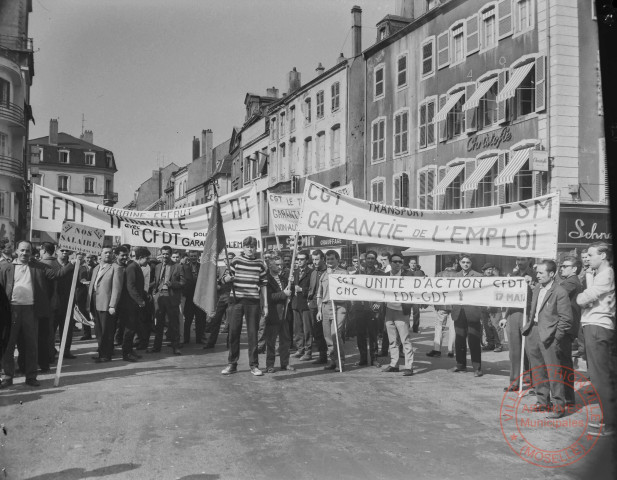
pixel 146 76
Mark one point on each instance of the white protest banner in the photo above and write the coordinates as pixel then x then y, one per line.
pixel 345 189
pixel 526 228
pixel 284 212
pixel 81 239
pixel 51 208
pixel 481 291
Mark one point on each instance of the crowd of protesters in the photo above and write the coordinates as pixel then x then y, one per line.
pixel 126 296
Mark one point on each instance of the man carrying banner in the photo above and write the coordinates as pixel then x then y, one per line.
pixel 443 319
pixel 467 326
pixel 303 334
pixel 24 282
pixel 415 271
pixel 319 267
pixel 250 300
pixel 327 316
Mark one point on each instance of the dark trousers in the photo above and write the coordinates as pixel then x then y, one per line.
pixel 193 312
pixel 166 307
pixel 468 331
pixel 236 311
pixel 602 368
pixel 366 329
pixel 143 325
pixel 385 341
pixel 128 319
pixel 415 317
pixel 303 334
pixel 271 332
pixel 214 326
pixel 44 358
pixel 319 342
pixel 542 359
pixel 104 328
pixel 24 330
pixel 70 326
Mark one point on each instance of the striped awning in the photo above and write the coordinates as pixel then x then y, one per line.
pixel 510 88
pixel 442 114
pixel 451 174
pixel 474 100
pixel 478 174
pixel 519 157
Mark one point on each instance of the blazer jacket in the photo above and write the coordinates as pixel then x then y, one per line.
pixel 299 301
pixel 109 288
pixel 133 293
pixel 276 299
pixel 41 275
pixel 472 312
pixel 190 279
pixel 554 314
pixel 573 286
pixel 176 281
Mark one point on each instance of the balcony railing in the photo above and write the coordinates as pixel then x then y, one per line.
pixel 110 197
pixel 10 166
pixel 10 111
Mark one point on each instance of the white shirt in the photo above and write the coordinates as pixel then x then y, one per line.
pixel 23 291
pixel 598 300
pixel 393 305
pixel 541 296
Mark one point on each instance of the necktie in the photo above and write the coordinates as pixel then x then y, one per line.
pixel 163 271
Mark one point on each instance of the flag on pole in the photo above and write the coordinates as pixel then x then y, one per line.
pixel 205 296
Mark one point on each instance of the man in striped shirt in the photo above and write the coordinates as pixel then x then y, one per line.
pixel 248 298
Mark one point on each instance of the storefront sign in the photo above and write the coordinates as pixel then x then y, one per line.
pixel 489 140
pixel 538 160
pixel 584 226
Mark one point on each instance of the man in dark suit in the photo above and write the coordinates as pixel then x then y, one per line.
pixel 276 325
pixel 132 300
pixel 81 292
pixel 571 283
pixel 25 282
pixel 191 270
pixel 169 280
pixel 467 321
pixel 104 294
pixel 550 320
pixel 303 329
pixel 415 271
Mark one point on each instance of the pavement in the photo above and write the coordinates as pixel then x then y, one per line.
pixel 177 417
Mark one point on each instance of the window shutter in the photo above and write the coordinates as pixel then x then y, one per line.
pixel 470 166
pixel 502 110
pixel 442 126
pixel 443 49
pixel 471 115
pixel 540 83
pixel 473 35
pixel 439 200
pixel 404 190
pixel 501 164
pixel 430 123
pixel 430 184
pixel 422 197
pixel 422 126
pixel 504 11
pixel 396 200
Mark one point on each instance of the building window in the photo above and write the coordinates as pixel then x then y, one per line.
pixel 428 58
pixel 336 92
pixel 381 34
pixel 430 4
pixel 377 190
pixel 89 185
pixel 4 145
pixel 335 144
pixel 426 183
pixel 247 170
pixel 283 161
pixel 378 140
pixel 454 197
pixel 524 16
pixel 275 166
pixel 292 118
pixel 273 128
pixel 487 193
pixel 457 43
pixel 282 123
pixel 487 108
pixel 379 85
pixel 110 160
pixel 308 154
pixel 320 153
pixel 524 101
pixel 426 123
pixel 401 133
pixel 521 187
pixel 90 159
pixel 320 104
pixel 401 190
pixel 292 160
pixel 63 183
pixel 63 156
pixel 489 28
pixel 401 71
pixel 307 111
pixel 456 119
pixel 5 204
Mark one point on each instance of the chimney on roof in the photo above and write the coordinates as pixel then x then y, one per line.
pixel 341 58
pixel 206 148
pixel 356 34
pixel 87 136
pixel 53 131
pixel 195 148
pixel 272 92
pixel 293 82
pixel 320 69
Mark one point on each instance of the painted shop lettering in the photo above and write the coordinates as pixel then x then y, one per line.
pixel 489 140
pixel 580 233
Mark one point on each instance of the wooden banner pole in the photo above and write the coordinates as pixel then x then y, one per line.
pixel 67 322
pixel 338 345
